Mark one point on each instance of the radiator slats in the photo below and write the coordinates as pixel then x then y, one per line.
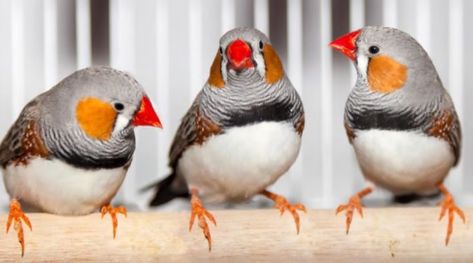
pixel 390 13
pixel 424 24
pixel 228 15
pixel 83 34
pixel 326 102
pixel 50 43
pixel 162 89
pixel 17 53
pixel 261 15
pixel 456 83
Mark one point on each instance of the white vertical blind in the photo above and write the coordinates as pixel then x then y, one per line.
pixel 456 84
pixel 17 52
pixel 228 15
pixel 83 34
pixel 294 43
pixel 326 101
pixel 6 94
pixel 162 85
pixel 195 49
pixel 357 14
pixel 424 24
pixel 390 14
pixel 261 15
pixel 50 43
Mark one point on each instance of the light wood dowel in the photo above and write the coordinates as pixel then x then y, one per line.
pixel 384 235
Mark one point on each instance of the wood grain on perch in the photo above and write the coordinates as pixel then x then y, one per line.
pixel 384 235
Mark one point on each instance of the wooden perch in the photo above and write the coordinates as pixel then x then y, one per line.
pixel 391 234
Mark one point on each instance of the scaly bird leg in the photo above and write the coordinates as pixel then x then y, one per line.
pixel 448 204
pixel 15 214
pixel 113 214
pixel 282 204
pixel 201 213
pixel 354 203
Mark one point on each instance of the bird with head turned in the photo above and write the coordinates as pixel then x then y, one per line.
pixel 69 150
pixel 399 119
pixel 242 132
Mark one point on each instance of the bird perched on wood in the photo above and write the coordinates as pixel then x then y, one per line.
pixel 70 148
pixel 399 118
pixel 242 132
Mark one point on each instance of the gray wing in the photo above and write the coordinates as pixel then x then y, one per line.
pixel 195 128
pixel 455 138
pixel 12 146
pixel 186 134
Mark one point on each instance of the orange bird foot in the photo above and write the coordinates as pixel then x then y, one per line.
pixel 201 213
pixel 354 203
pixel 282 204
pixel 113 214
pixel 448 205
pixel 15 214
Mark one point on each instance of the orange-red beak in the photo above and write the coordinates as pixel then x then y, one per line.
pixel 239 55
pixel 346 44
pixel 146 116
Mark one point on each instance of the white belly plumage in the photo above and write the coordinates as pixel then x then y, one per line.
pixel 238 164
pixel 59 188
pixel 402 161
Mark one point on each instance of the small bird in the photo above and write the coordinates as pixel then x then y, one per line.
pixel 69 150
pixel 399 119
pixel 242 132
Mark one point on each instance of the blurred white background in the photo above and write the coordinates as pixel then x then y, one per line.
pixel 168 45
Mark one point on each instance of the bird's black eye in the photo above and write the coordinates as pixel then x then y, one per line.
pixel 220 50
pixel 261 45
pixel 118 106
pixel 373 49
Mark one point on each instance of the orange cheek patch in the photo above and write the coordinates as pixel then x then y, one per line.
pixel 215 78
pixel 96 118
pixel 274 69
pixel 386 75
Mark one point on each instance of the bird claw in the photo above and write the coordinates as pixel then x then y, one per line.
pixel 282 204
pixel 16 215
pixel 113 215
pixel 201 213
pixel 448 205
pixel 354 203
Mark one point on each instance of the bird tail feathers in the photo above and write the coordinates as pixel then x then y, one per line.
pixel 164 191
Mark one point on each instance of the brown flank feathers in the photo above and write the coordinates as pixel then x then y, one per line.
pixel 205 128
pixel 300 124
pixel 32 145
pixel 442 126
pixel 386 75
